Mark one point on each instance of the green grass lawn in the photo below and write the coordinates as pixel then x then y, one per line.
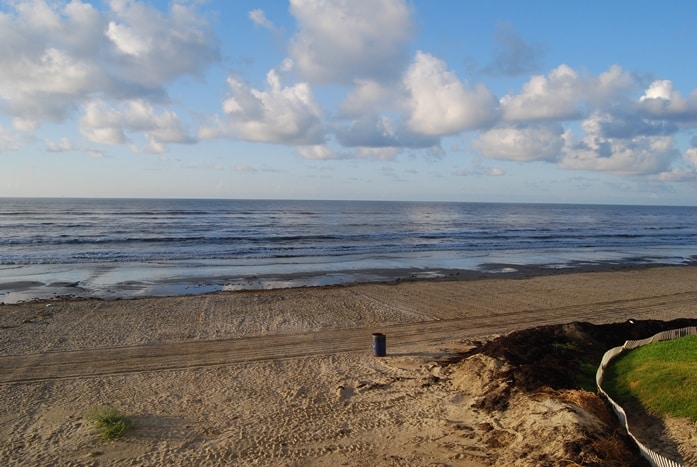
pixel 662 377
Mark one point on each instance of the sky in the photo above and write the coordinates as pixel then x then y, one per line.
pixel 432 100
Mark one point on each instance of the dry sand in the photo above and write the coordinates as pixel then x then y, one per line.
pixel 286 377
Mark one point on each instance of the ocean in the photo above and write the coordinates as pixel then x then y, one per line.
pixel 123 248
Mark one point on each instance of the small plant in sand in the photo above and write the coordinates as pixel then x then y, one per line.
pixel 109 421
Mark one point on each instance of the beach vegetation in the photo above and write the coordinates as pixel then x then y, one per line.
pixel 110 423
pixel 584 368
pixel 661 377
pixel 564 347
pixel 585 378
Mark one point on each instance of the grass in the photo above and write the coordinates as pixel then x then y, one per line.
pixel 661 376
pixel 109 421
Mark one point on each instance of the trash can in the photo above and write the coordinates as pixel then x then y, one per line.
pixel 379 344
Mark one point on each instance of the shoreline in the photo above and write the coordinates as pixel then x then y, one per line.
pixel 24 289
pixel 117 322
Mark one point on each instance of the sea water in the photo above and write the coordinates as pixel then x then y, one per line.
pixel 146 247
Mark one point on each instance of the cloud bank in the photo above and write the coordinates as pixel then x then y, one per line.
pixel 62 60
pixel 111 71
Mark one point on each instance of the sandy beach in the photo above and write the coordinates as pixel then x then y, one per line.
pixel 286 377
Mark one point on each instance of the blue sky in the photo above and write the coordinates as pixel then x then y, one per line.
pixel 538 101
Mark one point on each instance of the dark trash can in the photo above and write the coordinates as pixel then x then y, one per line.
pixel 379 344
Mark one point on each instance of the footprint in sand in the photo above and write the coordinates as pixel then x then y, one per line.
pixel 344 392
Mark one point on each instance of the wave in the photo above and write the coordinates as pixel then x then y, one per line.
pixel 461 239
pixel 56 231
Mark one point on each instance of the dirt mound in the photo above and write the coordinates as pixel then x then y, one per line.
pixel 540 384
pixel 566 356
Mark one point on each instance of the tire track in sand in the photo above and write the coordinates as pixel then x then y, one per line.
pixel 402 339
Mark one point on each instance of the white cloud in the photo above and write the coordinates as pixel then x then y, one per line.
pixel 546 98
pixel 370 97
pixel 382 131
pixel 61 145
pixel 382 154
pixel 102 124
pixel 8 141
pixel 638 155
pixel 662 89
pixel 685 173
pixel 278 114
pixel 56 72
pixel 164 127
pixel 609 86
pixel 24 124
pixel 678 175
pixel 522 143
pixel 439 102
pixel 127 40
pixel 661 101
pixel 318 152
pixel 341 41
pixel 479 169
pixel 564 94
pixel 691 156
pixel 239 168
pixel 107 125
pixel 259 18
pixel 595 150
pixel 153 47
pixel 56 56
pixel 40 78
pixel 619 135
pixel 94 153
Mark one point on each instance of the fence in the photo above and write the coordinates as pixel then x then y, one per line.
pixel 653 457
